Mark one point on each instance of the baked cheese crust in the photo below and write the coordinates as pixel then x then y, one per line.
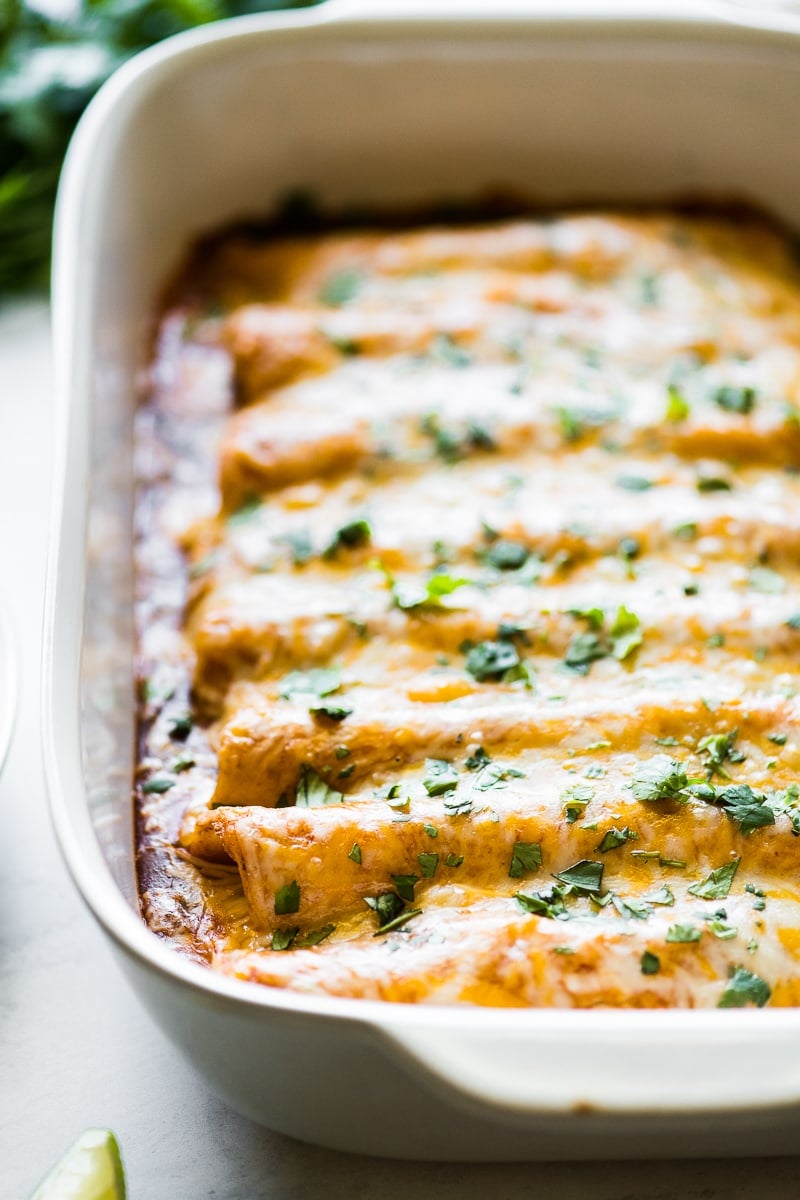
pixel 468 613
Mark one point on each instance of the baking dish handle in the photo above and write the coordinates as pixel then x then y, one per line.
pixel 612 1061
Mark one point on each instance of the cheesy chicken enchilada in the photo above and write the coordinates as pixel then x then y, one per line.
pixel 468 613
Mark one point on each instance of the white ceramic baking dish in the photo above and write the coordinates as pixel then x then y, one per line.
pixel 381 106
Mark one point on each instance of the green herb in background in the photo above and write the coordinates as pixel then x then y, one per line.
pixel 50 67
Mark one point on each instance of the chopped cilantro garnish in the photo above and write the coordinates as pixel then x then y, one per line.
pixel 583 650
pixel 477 760
pixel 333 712
pixel 157 785
pixel 719 747
pixel 748 809
pixel 719 929
pixel 441 777
pixel 351 536
pixel 287 899
pixel 660 778
pixel 180 728
pixel 677 407
pixel 405 885
pixel 318 682
pixel 457 806
pixel 615 838
pixel 341 287
pixel 716 885
pixel 428 864
pixel 355 853
pixel 387 905
pixel 409 595
pixel 713 483
pixel 282 939
pixel 454 860
pixel 629 549
pixel 621 639
pixel 686 532
pixel 574 800
pixel 766 581
pixel 585 877
pixel 491 660
pixel 526 858
pixel 650 963
pixel 639 910
pixel 741 400
pixel 634 483
pixel 391 911
pixel 506 555
pixel 626 633
pixel 448 350
pixel 244 513
pixel 743 988
pixel 683 933
pixel 313 937
pixel 313 791
pixel 300 546
pixel 549 903
pixel 662 896
pixel 431 831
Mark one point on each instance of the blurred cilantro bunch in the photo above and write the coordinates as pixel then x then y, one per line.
pixel 50 67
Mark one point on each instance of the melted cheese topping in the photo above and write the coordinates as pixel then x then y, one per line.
pixel 475 679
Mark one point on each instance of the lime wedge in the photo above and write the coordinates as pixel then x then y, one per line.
pixel 90 1170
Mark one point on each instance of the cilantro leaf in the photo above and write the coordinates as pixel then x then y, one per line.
pixel 574 800
pixel 660 778
pixel 677 407
pixel 650 963
pixel 743 988
pixel 287 899
pixel 614 838
pixel 341 287
pixel 282 939
pixel 490 660
pixel 506 555
pixel 352 536
pixel 748 809
pixel 313 937
pixel 662 896
pixel 313 791
pixel 543 904
pixel 441 777
pixel 585 876
pixel 428 864
pixel 683 933
pixel 387 905
pixel 640 910
pixel 716 885
pixel 333 712
pixel 410 596
pixel 316 683
pixel 626 633
pixel 719 747
pixel 405 885
pixel 526 858
pixel 741 400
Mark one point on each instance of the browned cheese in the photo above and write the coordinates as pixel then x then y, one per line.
pixel 468 613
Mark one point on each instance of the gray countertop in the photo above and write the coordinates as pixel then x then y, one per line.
pixel 75 1047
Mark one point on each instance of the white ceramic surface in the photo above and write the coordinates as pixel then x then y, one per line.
pixel 8 683
pixel 217 124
